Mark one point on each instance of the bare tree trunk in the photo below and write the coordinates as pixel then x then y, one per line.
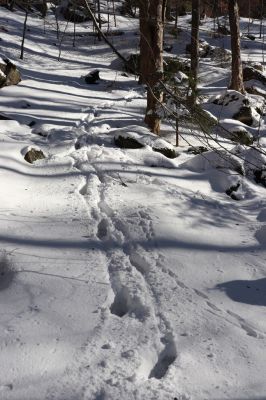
pixel 99 17
pixel 194 66
pixel 114 12
pixel 24 32
pixel 176 12
pixel 151 57
pixel 237 72
pixel 261 18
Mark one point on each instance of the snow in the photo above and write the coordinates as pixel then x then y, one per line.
pixel 123 274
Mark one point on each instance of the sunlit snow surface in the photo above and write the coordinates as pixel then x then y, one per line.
pixel 123 274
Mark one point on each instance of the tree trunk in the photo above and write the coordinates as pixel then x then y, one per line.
pixel 237 72
pixel 194 50
pixel 24 33
pixel 151 57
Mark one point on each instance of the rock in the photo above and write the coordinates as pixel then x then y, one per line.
pixel 258 92
pixel 128 143
pixel 197 150
pixel 74 13
pixel 223 30
pixel 232 191
pixel 92 77
pixel 168 48
pixel 241 136
pixel 207 51
pixel 203 48
pixel 250 73
pixel 240 107
pixel 33 155
pixel 172 65
pixel 244 115
pixel 9 74
pixel 169 153
pixel 260 176
pixel 251 37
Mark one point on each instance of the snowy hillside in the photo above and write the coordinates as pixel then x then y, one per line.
pixel 124 274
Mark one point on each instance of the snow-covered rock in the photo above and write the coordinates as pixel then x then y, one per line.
pixel 9 74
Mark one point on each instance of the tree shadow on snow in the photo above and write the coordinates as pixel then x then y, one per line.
pixel 246 291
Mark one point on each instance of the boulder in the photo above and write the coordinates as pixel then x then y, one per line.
pixel 260 176
pixel 232 191
pixel 172 65
pixel 250 73
pixel 244 115
pixel 242 136
pixel 208 51
pixel 223 30
pixel 33 155
pixel 128 142
pixel 197 150
pixel 167 152
pixel 9 74
pixel 92 77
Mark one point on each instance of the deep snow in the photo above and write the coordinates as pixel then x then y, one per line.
pixel 124 274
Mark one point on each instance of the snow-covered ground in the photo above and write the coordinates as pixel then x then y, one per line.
pixel 123 274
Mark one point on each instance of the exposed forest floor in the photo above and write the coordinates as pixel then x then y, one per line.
pixel 124 274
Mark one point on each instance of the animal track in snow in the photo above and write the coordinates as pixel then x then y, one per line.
pixel 124 303
pixel 201 294
pixel 102 230
pixel 246 326
pixel 165 358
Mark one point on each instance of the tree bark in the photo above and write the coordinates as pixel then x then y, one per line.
pixel 151 57
pixel 236 69
pixel 194 50
pixel 24 33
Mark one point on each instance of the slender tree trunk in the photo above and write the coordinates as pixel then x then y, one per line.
pixel 151 57
pixel 24 33
pixel 176 12
pixel 261 18
pixel 114 12
pixel 237 72
pixel 194 50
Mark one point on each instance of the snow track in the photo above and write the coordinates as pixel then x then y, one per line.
pixel 133 300
pixel 124 275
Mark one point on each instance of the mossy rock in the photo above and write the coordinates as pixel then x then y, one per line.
pixel 128 143
pixel 169 153
pixel 242 137
pixel 174 64
pixel 10 74
pixel 171 65
pixel 244 115
pixel 197 150
pixel 33 155
pixel 250 73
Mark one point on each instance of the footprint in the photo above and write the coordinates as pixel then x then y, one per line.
pixel 102 231
pixel 165 358
pixel 245 326
pixel 213 306
pixel 200 294
pixel 126 303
